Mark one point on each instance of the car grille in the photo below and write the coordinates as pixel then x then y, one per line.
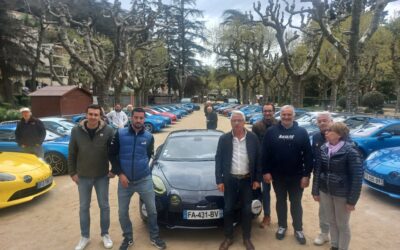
pixel 387 187
pixel 27 192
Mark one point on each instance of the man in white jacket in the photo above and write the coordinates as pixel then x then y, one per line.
pixel 117 118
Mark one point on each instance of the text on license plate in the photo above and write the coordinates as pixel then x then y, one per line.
pixel 374 179
pixel 202 214
pixel 45 182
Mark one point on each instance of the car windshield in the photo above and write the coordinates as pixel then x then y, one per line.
pixel 50 136
pixel 367 130
pixel 194 148
pixel 67 124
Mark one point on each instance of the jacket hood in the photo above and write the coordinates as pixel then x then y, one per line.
pixel 82 125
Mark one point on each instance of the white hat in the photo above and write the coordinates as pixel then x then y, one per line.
pixel 24 109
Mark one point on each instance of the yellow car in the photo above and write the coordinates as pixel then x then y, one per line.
pixel 22 178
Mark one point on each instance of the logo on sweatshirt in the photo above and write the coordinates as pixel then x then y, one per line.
pixel 286 137
pixel 144 143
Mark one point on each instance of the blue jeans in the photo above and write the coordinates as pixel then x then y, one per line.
pixel 144 187
pixel 85 188
pixel 266 198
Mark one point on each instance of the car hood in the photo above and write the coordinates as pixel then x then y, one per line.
pixel 189 175
pixel 18 163
pixel 386 160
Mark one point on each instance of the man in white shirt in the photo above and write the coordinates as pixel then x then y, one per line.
pixel 117 118
pixel 238 172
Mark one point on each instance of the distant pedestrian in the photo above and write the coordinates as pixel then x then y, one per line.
pixel 130 152
pixel 260 128
pixel 128 111
pixel 88 166
pixel 208 104
pixel 117 118
pixel 212 118
pixel 337 182
pixel 30 133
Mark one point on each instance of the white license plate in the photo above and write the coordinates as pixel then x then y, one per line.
pixel 44 183
pixel 373 179
pixel 203 214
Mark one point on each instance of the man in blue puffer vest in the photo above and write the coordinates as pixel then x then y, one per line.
pixel 130 152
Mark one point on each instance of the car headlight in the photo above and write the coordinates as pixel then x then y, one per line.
pixel 158 185
pixel 394 175
pixel 7 177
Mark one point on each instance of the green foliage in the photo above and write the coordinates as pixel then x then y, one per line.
pixel 373 100
pixel 9 114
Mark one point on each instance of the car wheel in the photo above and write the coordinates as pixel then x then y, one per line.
pixel 57 162
pixel 143 211
pixel 149 127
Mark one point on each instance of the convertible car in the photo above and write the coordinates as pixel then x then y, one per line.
pixel 22 178
pixel 183 172
pixel 382 171
pixel 55 147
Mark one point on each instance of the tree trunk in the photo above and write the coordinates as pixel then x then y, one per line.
pixel 352 64
pixel 7 86
pixel 102 94
pixel 398 96
pixel 333 98
pixel 296 94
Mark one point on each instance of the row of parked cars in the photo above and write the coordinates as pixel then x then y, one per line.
pixel 24 176
pixel 377 140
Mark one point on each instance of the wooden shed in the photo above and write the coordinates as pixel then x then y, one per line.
pixel 60 101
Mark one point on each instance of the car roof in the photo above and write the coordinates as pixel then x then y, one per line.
pixel 195 132
pixel 9 126
pixel 384 121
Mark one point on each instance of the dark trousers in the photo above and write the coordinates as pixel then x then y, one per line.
pixel 266 198
pixel 284 185
pixel 237 190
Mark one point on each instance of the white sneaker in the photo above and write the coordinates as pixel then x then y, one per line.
pixel 83 242
pixel 107 241
pixel 321 239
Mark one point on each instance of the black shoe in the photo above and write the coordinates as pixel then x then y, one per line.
pixel 127 242
pixel 334 248
pixel 300 237
pixel 159 243
pixel 280 234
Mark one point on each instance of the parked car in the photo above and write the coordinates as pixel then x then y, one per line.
pixel 22 178
pixel 186 100
pixel 167 114
pixel 55 147
pixel 183 172
pixel 382 171
pixel 58 125
pixel 379 134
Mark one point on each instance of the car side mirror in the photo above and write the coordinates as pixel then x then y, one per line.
pixel 385 135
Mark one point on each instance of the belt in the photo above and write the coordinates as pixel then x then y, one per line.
pixel 241 176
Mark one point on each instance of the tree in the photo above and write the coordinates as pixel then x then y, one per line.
pixel 274 18
pixel 91 52
pixel 180 34
pixel 394 26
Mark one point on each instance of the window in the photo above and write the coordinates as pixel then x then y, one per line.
pixel 392 129
pixel 7 135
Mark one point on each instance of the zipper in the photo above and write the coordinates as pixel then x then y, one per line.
pixel 327 179
pixel 133 154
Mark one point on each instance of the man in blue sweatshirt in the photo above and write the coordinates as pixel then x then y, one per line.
pixel 287 163
pixel 130 152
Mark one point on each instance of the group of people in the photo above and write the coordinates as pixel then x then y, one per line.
pixel 280 153
pixel 274 152
pixel 92 146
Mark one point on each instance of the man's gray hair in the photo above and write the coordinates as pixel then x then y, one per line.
pixel 238 112
pixel 325 114
pixel 288 107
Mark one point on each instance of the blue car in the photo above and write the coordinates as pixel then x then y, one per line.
pixel 382 171
pixel 153 124
pixel 379 134
pixel 165 119
pixel 55 147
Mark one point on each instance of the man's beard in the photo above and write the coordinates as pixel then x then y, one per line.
pixel 138 125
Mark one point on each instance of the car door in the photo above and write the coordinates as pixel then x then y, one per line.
pixel 393 141
pixel 7 141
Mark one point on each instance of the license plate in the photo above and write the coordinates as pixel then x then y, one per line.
pixel 44 183
pixel 202 214
pixel 373 179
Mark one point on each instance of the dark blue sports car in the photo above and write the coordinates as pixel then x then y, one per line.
pixel 184 181
pixel 382 171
